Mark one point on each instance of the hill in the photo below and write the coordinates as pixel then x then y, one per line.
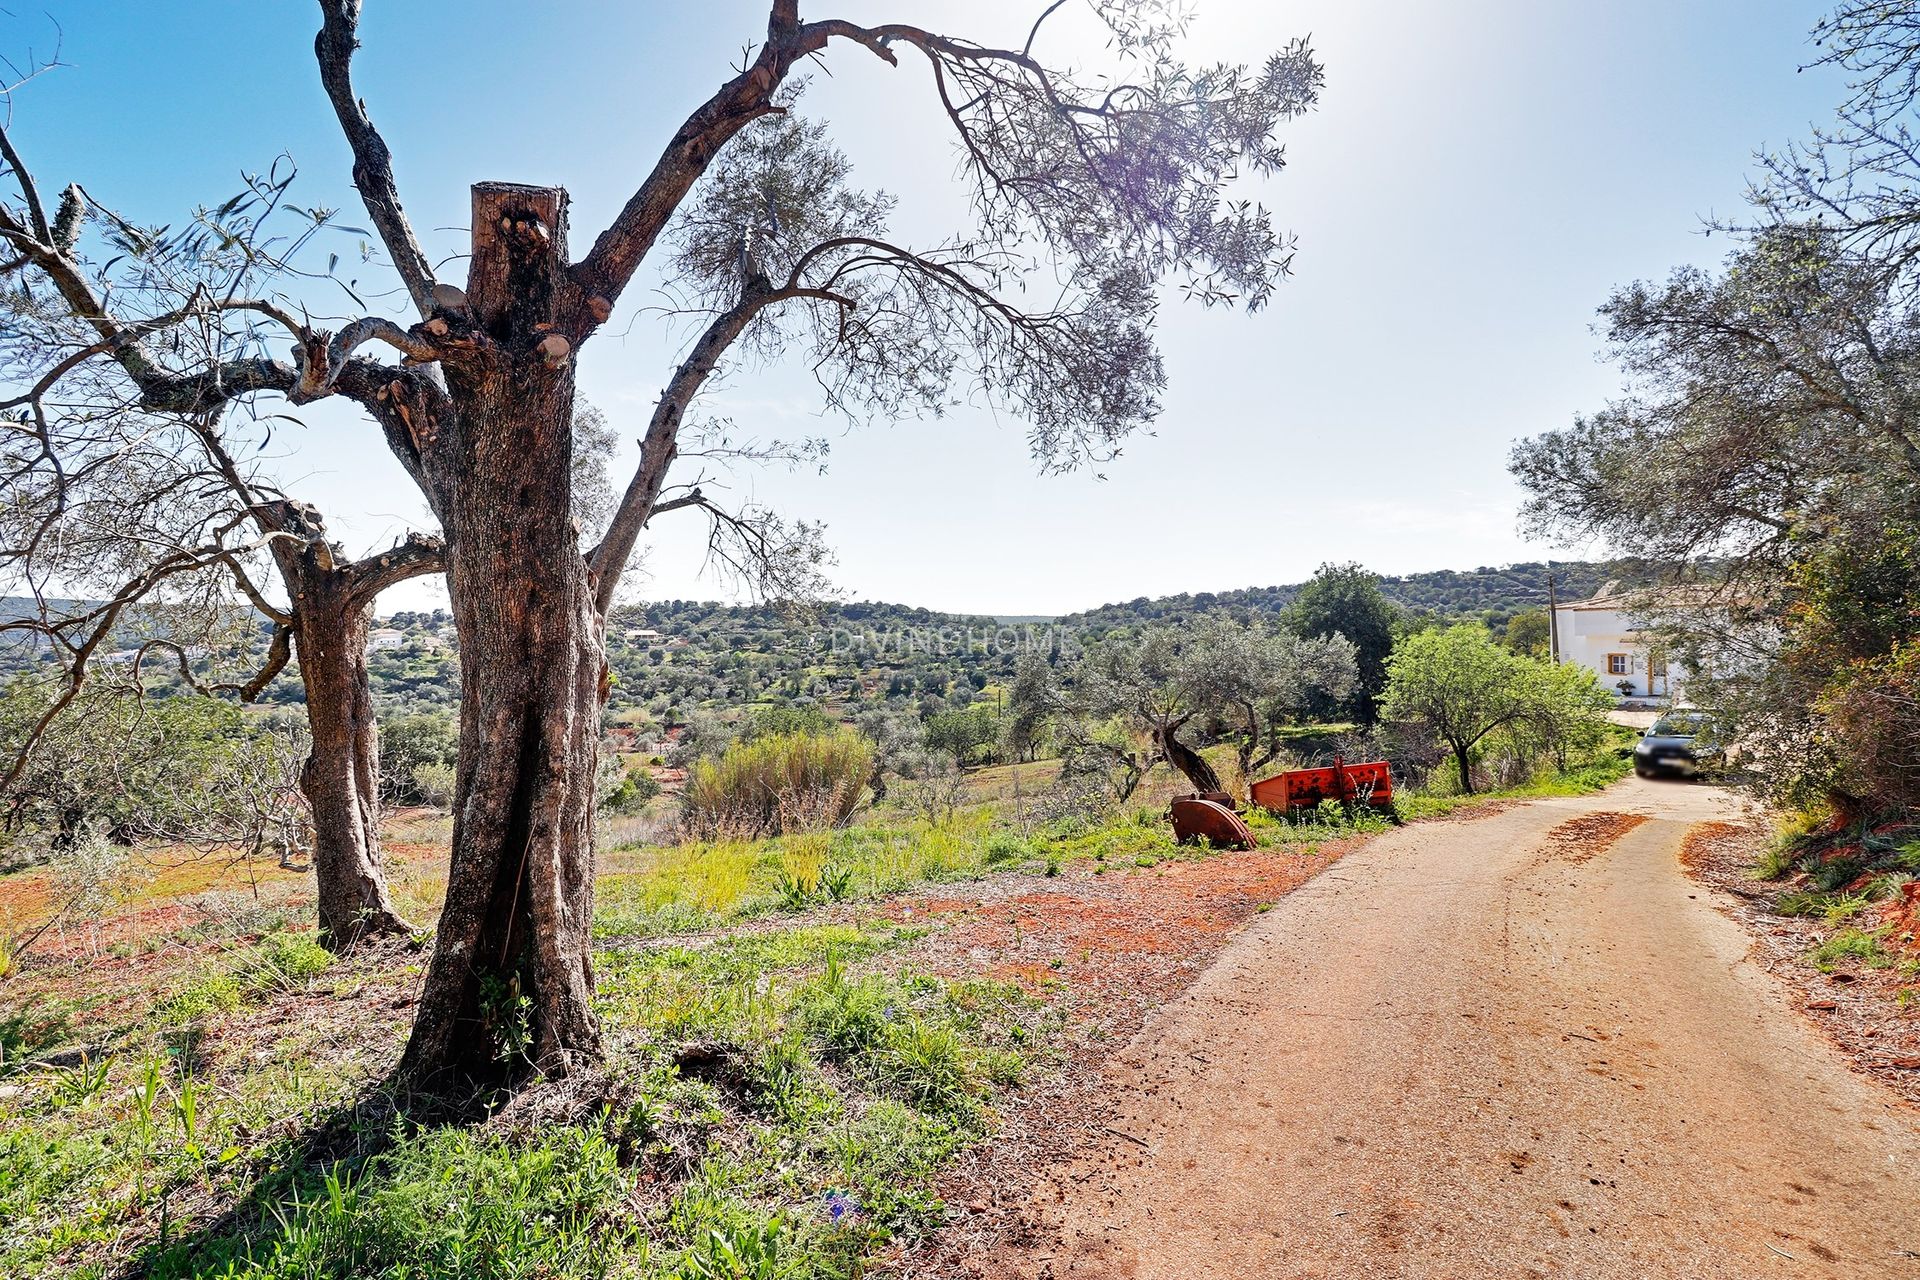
pixel 1493 594
pixel 670 657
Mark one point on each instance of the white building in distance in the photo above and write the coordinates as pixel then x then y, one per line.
pixel 1601 635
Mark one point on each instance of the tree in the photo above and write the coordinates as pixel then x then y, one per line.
pixel 1263 679
pixel 1528 633
pixel 183 770
pixel 1769 438
pixel 1344 599
pixel 1459 686
pixel 1215 670
pixel 1159 683
pixel 1859 178
pixel 964 731
pixel 1100 190
pixel 1031 704
pixel 138 516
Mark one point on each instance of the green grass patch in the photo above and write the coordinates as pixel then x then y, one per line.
pixel 1851 944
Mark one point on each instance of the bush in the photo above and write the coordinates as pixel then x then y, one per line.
pixel 1870 717
pixel 408 743
pixel 786 782
pixel 630 795
pixel 433 784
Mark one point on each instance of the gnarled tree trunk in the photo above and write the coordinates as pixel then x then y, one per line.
pixel 1185 758
pixel 332 610
pixel 511 980
pixel 341 778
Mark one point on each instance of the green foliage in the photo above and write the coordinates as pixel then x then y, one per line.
pixel 1834 908
pixel 785 719
pixel 966 734
pixel 433 783
pixel 1852 944
pixel 179 767
pixel 1346 600
pixel 1528 633
pixel 1460 687
pixel 750 1251
pixel 787 782
pixel 409 744
pixel 636 787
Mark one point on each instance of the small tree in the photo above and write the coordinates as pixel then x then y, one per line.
pixel 1527 633
pixel 1459 686
pixel 963 733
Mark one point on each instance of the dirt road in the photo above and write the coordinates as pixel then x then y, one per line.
pixel 1514 1046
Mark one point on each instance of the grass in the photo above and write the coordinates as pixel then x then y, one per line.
pixel 783 1091
pixel 780 1099
pixel 1613 762
pixel 1852 944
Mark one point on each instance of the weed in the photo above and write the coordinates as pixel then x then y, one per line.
pixel 837 880
pixel 1835 908
pixel 744 1252
pixel 81 1082
pixel 1004 847
pixel 1776 861
pixel 1854 944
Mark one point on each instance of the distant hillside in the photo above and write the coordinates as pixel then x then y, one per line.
pixel 671 657
pixel 1494 594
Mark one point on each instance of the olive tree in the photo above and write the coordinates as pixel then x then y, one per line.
pixel 1461 688
pixel 1770 437
pixel 1089 196
pixel 1239 674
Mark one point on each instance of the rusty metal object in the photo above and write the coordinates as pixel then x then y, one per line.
pixel 1370 783
pixel 1196 820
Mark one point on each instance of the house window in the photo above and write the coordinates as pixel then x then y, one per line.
pixel 1617 664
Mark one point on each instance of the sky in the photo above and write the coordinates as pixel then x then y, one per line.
pixel 1476 178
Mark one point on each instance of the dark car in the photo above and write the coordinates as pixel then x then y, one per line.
pixel 1681 744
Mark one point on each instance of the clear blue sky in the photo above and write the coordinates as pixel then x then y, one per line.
pixel 1477 176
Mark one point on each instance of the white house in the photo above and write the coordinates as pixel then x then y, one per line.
pixel 1600 634
pixel 385 638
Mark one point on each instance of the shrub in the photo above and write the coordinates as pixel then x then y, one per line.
pixel 631 793
pixel 433 784
pixel 781 783
pixel 409 743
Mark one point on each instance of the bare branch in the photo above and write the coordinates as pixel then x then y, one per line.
pixel 372 162
pixel 28 191
pixel 660 445
pixel 610 264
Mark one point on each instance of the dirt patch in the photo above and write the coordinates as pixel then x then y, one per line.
pixel 1106 951
pixel 1871 1014
pixel 1587 837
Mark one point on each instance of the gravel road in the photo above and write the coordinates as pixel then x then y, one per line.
pixel 1519 1045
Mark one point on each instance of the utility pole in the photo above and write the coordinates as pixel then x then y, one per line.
pixel 1553 619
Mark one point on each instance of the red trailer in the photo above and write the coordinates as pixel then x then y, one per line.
pixel 1370 783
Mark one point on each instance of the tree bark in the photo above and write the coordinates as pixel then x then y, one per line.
pixel 341 778
pixel 332 614
pixel 1185 758
pixel 510 984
